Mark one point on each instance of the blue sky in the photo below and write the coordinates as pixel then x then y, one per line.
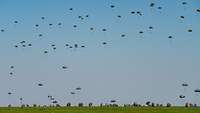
pixel 134 68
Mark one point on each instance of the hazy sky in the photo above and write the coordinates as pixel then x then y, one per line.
pixel 138 67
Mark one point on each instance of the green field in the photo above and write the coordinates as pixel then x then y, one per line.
pixel 101 110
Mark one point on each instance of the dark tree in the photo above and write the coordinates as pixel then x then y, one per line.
pixel 90 104
pixel 80 104
pixel 168 105
pixel 68 104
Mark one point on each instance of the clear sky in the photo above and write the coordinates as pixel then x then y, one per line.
pixel 137 67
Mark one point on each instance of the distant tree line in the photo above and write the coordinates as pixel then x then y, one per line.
pixel 134 104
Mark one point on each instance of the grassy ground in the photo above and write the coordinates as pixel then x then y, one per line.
pixel 101 110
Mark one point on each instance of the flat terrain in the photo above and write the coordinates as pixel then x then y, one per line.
pixel 100 110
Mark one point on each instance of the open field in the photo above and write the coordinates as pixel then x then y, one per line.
pixel 101 110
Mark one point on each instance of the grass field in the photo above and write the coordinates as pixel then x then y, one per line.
pixel 101 110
